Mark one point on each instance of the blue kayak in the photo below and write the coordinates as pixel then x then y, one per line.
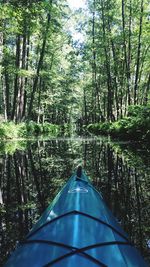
pixel 76 230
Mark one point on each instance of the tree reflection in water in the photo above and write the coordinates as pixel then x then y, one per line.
pixel 31 177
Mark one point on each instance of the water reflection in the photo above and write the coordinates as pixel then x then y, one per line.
pixel 33 173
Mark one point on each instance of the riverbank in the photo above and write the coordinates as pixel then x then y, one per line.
pixel 10 130
pixel 136 126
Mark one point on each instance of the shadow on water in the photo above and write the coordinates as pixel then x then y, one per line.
pixel 33 172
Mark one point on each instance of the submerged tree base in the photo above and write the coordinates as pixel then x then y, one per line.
pixel 134 127
pixel 10 130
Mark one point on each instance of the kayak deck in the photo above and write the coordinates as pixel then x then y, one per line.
pixel 77 229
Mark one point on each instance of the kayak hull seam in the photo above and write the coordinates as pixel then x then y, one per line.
pixel 75 212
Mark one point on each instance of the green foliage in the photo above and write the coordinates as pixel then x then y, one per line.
pixel 9 146
pixel 119 127
pixel 66 129
pixel 67 74
pixel 31 129
pixel 139 111
pixel 2 131
pixel 34 129
pixel 135 127
pixel 8 129
pixel 50 129
pixel 100 128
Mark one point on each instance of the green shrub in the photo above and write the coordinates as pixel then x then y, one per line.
pixel 105 127
pixel 30 127
pixel 139 111
pixel 46 128
pixel 94 128
pixel 22 130
pixel 8 130
pixel 10 147
pixel 11 130
pixel 100 128
pixel 33 128
pixel 38 129
pixel 2 131
pixel 134 111
pixel 50 129
pixel 136 126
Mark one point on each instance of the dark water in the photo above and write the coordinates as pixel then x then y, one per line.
pixel 32 173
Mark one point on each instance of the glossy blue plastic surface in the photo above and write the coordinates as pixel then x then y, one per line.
pixel 77 219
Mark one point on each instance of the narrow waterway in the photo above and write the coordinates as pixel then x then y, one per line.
pixel 31 173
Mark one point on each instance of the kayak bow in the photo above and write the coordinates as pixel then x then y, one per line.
pixel 77 229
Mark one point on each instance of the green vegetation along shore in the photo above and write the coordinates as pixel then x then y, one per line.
pixel 136 126
pixel 10 130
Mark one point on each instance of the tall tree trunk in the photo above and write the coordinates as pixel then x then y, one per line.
pixel 39 101
pixel 129 56
pixel 26 79
pixel 94 72
pixel 85 106
pixel 7 94
pixel 4 99
pixel 39 67
pixel 138 56
pixel 21 92
pixel 6 87
pixel 115 69
pixel 16 84
pixel 107 64
pixel 126 65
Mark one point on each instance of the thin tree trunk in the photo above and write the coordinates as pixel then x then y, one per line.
pixel 6 87
pixel 115 70
pixel 4 100
pixel 26 79
pixel 7 94
pixel 20 107
pixel 39 101
pixel 126 65
pixel 85 106
pixel 138 56
pixel 94 73
pixel 16 84
pixel 129 56
pixel 105 108
pixel 107 64
pixel 39 67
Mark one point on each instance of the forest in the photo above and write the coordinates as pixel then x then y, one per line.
pixel 74 90
pixel 98 80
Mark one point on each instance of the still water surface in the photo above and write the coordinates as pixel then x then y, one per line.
pixel 31 173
